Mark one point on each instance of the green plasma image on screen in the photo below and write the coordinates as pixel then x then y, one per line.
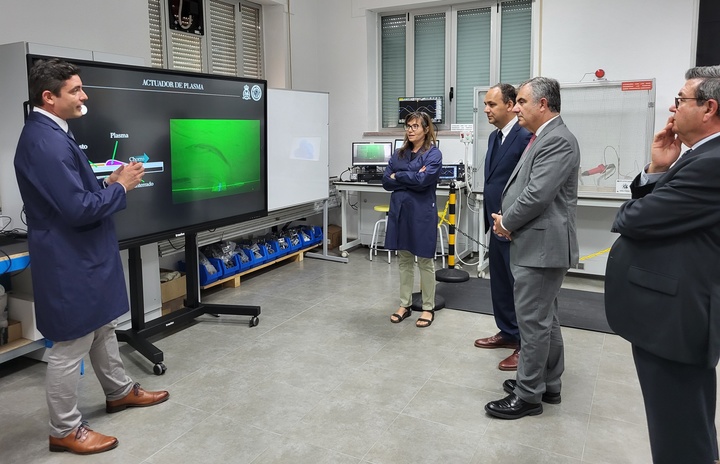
pixel 372 153
pixel 213 158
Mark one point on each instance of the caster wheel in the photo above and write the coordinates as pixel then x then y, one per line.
pixel 344 254
pixel 159 369
pixel 254 321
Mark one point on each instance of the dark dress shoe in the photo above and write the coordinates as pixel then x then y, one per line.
pixel 496 341
pixel 512 407
pixel 137 398
pixel 547 397
pixel 511 362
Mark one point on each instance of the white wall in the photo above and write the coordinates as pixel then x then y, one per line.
pixel 113 27
pixel 628 39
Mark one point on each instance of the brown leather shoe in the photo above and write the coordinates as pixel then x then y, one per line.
pixel 82 440
pixel 510 363
pixel 496 341
pixel 137 398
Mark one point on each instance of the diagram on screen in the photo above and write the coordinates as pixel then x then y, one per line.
pixel 104 169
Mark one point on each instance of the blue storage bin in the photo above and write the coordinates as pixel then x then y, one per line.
pixel 248 263
pixel 205 277
pixel 295 241
pixel 257 259
pixel 272 249
pixel 283 245
pixel 306 236
pixel 317 234
pixel 230 268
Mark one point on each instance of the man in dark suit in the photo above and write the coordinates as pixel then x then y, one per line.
pixel 662 284
pixel 538 214
pixel 77 274
pixel 504 149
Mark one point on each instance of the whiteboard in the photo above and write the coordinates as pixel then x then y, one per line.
pixel 298 166
pixel 613 122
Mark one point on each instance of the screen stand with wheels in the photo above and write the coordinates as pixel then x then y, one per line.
pixel 137 335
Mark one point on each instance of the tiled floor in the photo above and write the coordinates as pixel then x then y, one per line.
pixel 326 378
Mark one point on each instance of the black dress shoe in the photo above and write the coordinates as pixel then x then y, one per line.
pixel 512 407
pixel 548 397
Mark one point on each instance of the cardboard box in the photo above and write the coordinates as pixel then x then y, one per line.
pixel 173 305
pixel 173 289
pixel 334 236
pixel 22 308
pixel 14 331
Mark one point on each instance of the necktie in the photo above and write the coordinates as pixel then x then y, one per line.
pixel 527 148
pixel 69 132
pixel 532 139
pixel 494 152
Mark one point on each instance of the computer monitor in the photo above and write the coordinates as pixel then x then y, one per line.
pixel 433 106
pixel 371 153
pixel 399 143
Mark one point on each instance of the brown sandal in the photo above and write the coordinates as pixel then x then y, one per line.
pixel 395 318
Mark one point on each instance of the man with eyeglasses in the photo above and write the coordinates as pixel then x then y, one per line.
pixel 662 282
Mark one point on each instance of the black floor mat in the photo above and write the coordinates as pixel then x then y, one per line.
pixel 582 310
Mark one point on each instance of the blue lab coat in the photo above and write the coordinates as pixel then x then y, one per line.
pixel 413 217
pixel 77 275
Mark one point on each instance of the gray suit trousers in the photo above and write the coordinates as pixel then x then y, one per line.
pixel 542 358
pixel 63 375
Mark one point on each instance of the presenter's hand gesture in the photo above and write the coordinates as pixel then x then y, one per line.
pixel 130 175
pixel 665 148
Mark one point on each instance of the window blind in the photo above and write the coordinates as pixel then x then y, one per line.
pixel 392 66
pixel 252 58
pixel 223 40
pixel 186 51
pixel 429 79
pixel 156 36
pixel 515 41
pixel 472 60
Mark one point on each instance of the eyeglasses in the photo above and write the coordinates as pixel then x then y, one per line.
pixel 412 127
pixel 681 99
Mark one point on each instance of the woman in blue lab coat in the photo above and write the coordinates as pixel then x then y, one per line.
pixel 411 176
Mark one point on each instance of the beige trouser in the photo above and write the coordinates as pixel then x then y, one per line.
pixel 63 375
pixel 407 280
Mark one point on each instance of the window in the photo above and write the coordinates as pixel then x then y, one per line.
pixel 451 51
pixel 231 45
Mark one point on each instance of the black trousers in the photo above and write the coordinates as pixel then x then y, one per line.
pixel 680 407
pixel 501 289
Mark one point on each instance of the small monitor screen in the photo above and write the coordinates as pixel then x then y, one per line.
pixel 400 142
pixel 371 154
pixel 433 106
pixel 448 172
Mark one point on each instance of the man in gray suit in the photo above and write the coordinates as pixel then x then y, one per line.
pixel 538 216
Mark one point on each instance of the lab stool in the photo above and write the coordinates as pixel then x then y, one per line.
pixel 374 245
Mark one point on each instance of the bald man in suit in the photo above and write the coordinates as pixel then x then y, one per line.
pixel 505 146
pixel 538 216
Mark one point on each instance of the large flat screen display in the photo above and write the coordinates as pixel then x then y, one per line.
pixel 203 139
